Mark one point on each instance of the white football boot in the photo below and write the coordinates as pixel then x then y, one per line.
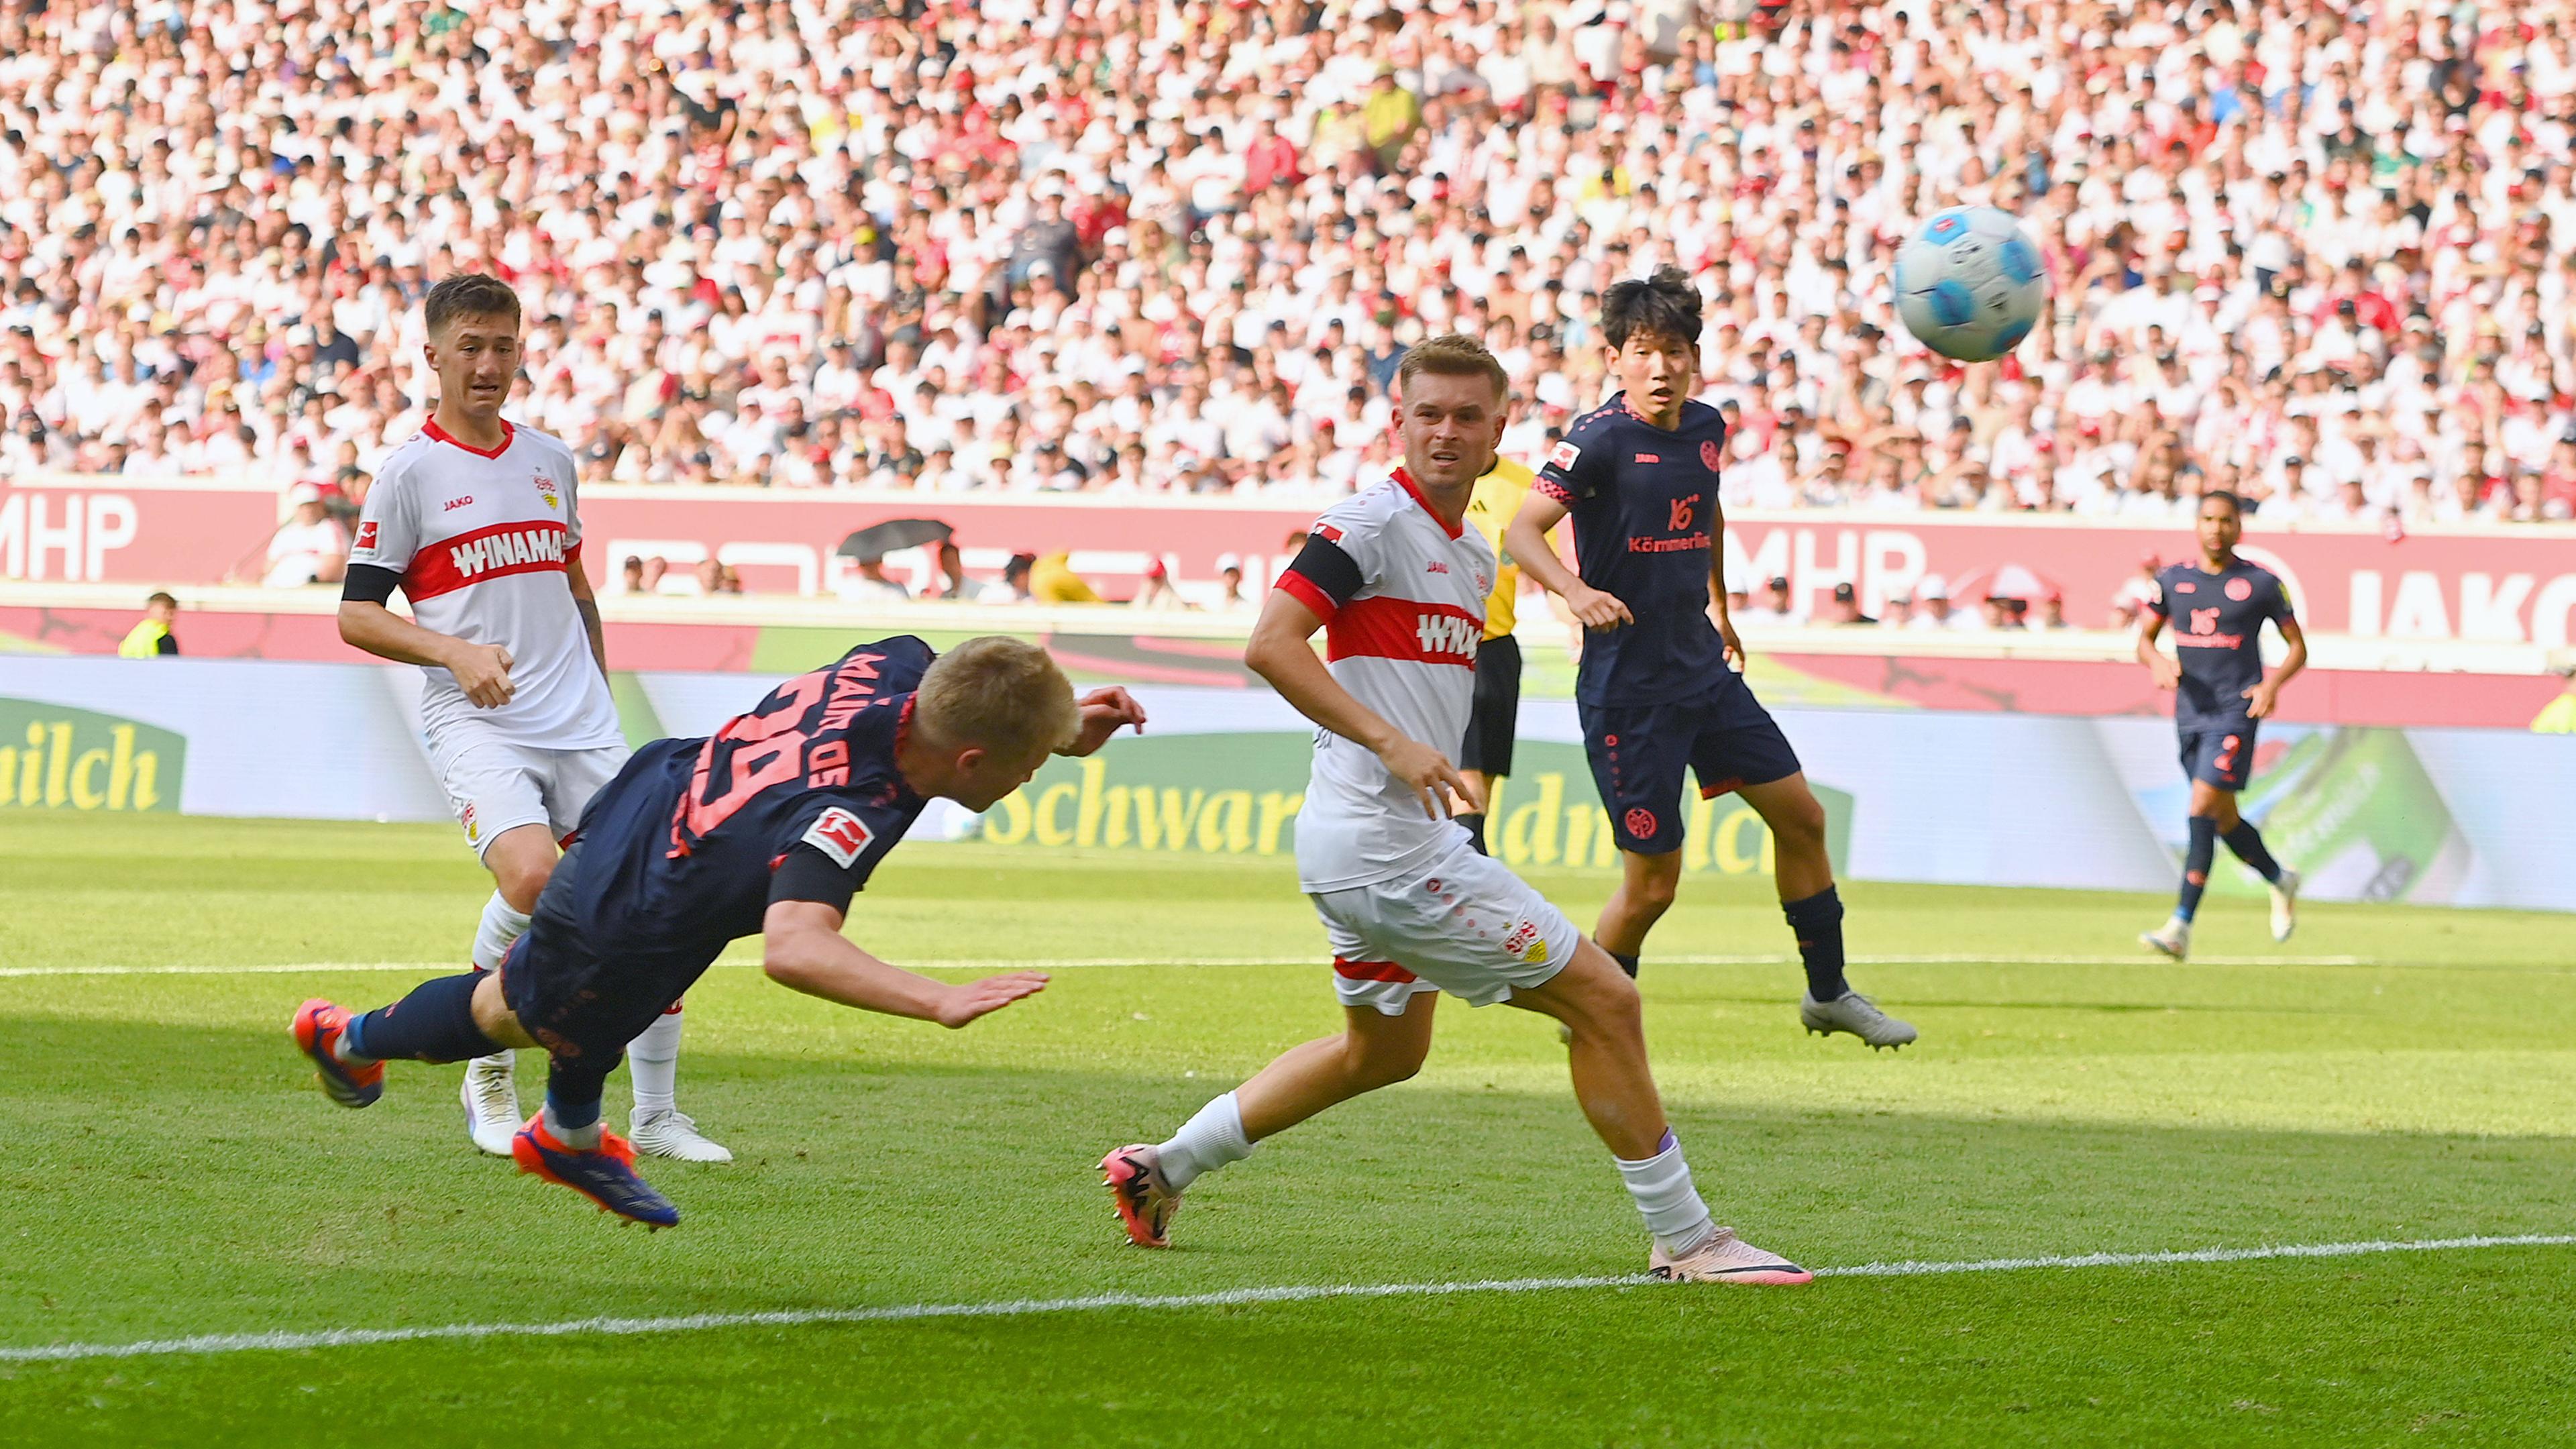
pixel 674 1134
pixel 491 1096
pixel 2173 938
pixel 2285 904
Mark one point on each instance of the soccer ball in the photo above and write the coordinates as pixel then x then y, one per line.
pixel 1969 284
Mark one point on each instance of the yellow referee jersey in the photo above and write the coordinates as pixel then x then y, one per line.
pixel 1497 497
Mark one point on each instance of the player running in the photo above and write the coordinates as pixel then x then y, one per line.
pixel 1397 583
pixel 1493 721
pixel 475 519
pixel 1657 687
pixel 2220 695
pixel 769 827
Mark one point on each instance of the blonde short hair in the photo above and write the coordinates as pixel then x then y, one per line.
pixel 1002 694
pixel 1453 354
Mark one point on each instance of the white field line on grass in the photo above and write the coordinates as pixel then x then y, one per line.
pixel 1075 963
pixel 209 1343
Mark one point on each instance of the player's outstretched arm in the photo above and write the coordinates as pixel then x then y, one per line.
pixel 1526 540
pixel 2168 674
pixel 481 670
pixel 1279 652
pixel 803 949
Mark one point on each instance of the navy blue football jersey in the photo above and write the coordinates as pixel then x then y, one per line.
pixel 796 800
pixel 2217 633
pixel 1644 502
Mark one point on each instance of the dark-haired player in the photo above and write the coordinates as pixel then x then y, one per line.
pixel 2218 605
pixel 767 827
pixel 1657 689
pixel 478 522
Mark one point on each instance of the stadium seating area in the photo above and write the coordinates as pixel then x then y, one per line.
pixel 1115 246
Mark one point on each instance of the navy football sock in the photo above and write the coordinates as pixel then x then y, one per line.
pixel 1818 922
pixel 573 1090
pixel 2195 865
pixel 1475 832
pixel 433 1024
pixel 1627 963
pixel 2247 842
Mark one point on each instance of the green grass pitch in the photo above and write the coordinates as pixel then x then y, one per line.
pixel 166 1169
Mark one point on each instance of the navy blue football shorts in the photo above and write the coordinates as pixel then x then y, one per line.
pixel 1725 737
pixel 2222 754
pixel 579 1006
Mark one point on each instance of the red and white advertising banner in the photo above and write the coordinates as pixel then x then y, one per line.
pixel 2505 584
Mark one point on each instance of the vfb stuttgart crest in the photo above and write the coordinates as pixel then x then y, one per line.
pixel 1709 457
pixel 545 482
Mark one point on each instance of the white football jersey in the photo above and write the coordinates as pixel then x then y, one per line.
pixel 1401 636
pixel 480 540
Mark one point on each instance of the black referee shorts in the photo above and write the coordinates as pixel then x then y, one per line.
pixel 1494 718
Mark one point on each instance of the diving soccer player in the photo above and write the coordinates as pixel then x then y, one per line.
pixel 1657 689
pixel 2218 604
pixel 1397 582
pixel 768 827
pixel 476 520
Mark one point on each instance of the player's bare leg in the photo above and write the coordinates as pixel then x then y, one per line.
pixel 1803 870
pixel 1606 1056
pixel 1373 1050
pixel 1647 884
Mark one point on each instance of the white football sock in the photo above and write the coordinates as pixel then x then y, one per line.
pixel 579 1139
pixel 1661 1184
pixel 1205 1143
pixel 501 926
pixel 492 939
pixel 653 1060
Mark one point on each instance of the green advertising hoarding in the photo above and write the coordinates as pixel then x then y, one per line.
pixel 53 757
pixel 1238 794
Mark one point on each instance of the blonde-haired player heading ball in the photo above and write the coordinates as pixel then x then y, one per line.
pixel 1398 584
pixel 475 519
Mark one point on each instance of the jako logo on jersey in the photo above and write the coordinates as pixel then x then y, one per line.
pixel 1438 567
pixel 840 835
pixel 367 534
pixel 2240 589
pixel 2186 588
pixel 508 550
pixel 1649 458
pixel 1446 634
pixel 1709 457
pixel 454 504
pixel 1563 454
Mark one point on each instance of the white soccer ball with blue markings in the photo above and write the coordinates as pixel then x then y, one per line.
pixel 1969 284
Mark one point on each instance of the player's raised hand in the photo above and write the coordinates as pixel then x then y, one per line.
pixel 1104 713
pixel 1428 773
pixel 1596 610
pixel 982 997
pixel 483 672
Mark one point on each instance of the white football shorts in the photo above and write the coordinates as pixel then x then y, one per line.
pixel 495 785
pixel 1466 925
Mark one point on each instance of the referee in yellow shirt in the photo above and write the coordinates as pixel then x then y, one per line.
pixel 1492 723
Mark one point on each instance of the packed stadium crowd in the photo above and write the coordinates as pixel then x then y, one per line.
pixel 2318 254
